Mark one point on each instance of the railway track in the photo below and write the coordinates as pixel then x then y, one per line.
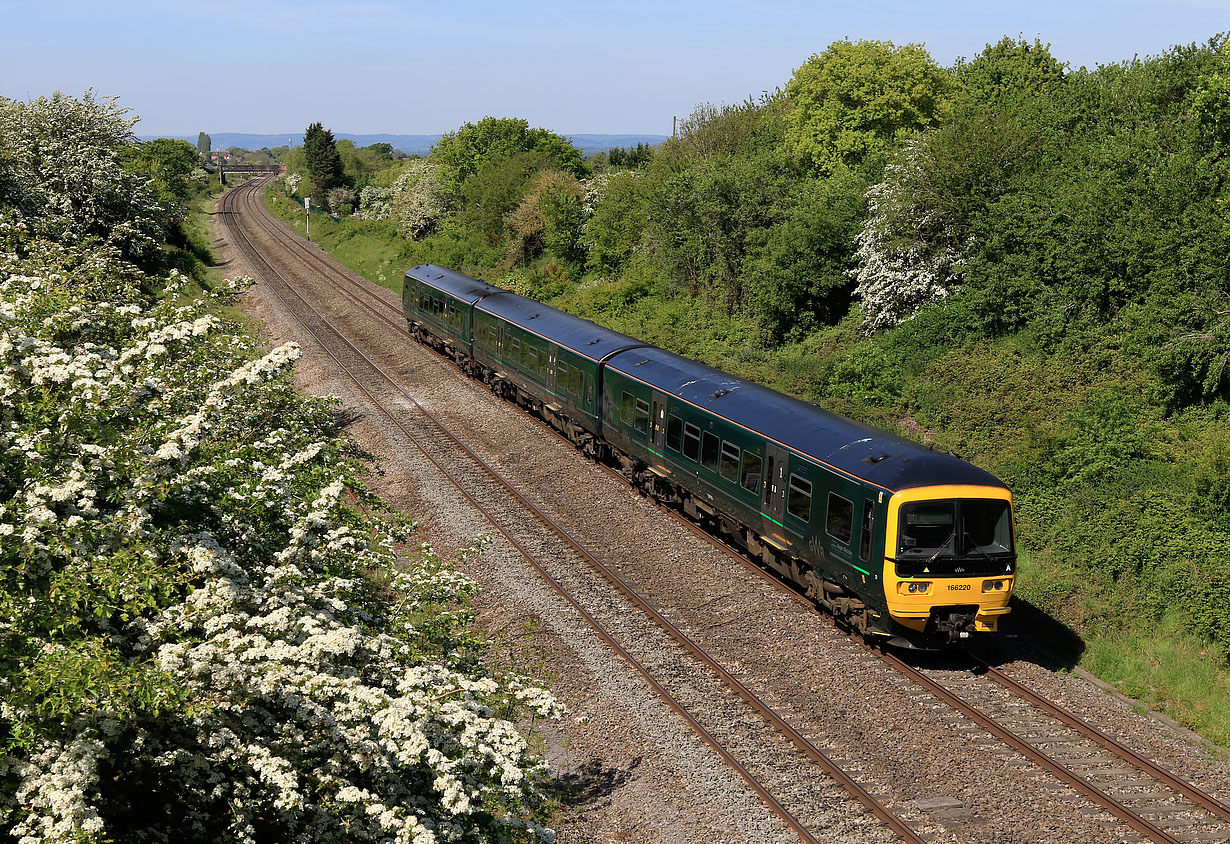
pixel 1025 728
pixel 319 327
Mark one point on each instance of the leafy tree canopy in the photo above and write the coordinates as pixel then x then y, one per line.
pixel 1009 67
pixel 854 100
pixel 169 164
pixel 475 143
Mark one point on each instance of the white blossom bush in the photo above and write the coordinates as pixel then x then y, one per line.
pixel 292 181
pixel 418 200
pixel 61 170
pixel 374 202
pixel 909 254
pixel 204 633
pixel 339 198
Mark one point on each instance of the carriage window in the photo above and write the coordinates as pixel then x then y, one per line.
pixel 589 389
pixel 864 539
pixel 627 409
pixel 709 452
pixel 674 432
pixel 798 502
pixel 542 363
pixel 533 359
pixel 561 376
pixel 840 521
pixel 730 462
pixel 576 381
pixel 642 416
pixel 750 476
pixel 691 441
pixel 514 349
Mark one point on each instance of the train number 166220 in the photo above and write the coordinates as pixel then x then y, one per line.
pixel 958 587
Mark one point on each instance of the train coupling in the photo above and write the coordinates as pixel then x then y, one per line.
pixel 954 623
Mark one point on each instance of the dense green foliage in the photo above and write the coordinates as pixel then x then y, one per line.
pixel 324 162
pixel 1018 261
pixel 209 629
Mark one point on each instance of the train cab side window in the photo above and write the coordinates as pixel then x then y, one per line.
pixel 691 441
pixel 864 538
pixel 798 501
pixel 730 462
pixel 750 476
pixel 642 416
pixel 840 521
pixel 627 408
pixel 709 448
pixel 674 432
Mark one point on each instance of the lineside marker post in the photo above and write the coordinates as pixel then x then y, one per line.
pixel 307 210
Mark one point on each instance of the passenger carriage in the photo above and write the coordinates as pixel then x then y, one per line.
pixel 901 541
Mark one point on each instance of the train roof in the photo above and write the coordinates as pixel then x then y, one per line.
pixel 571 332
pixel 452 282
pixel 886 460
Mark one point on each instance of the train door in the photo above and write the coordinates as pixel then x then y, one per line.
pixel 552 367
pixel 776 481
pixel 657 423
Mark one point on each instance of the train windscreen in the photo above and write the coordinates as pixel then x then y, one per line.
pixel 967 536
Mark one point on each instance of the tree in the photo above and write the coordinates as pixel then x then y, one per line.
pixel 170 166
pixel 617 223
pixel 797 272
pixel 920 234
pixel 854 100
pixel 203 144
pixel 382 150
pixel 65 176
pixel 340 201
pixel 550 218
pixel 324 163
pixel 494 137
pixel 1008 68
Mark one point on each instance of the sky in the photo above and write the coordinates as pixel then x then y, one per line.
pixel 611 67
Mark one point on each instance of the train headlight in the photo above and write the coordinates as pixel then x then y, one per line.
pixel 913 588
pixel 992 585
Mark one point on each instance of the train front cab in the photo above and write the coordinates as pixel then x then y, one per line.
pixel 949 564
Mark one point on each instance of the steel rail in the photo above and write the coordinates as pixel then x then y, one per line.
pixel 874 806
pixel 1206 801
pixel 1035 755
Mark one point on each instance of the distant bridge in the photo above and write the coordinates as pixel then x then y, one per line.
pixel 223 169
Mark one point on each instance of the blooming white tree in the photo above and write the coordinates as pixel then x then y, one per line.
pixel 417 201
pixel 909 254
pixel 209 630
pixel 65 177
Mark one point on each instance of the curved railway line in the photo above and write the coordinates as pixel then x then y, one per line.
pixel 1024 728
pixel 269 272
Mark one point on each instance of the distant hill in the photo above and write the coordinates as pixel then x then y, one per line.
pixel 409 144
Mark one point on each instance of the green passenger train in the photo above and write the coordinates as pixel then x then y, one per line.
pixel 904 544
